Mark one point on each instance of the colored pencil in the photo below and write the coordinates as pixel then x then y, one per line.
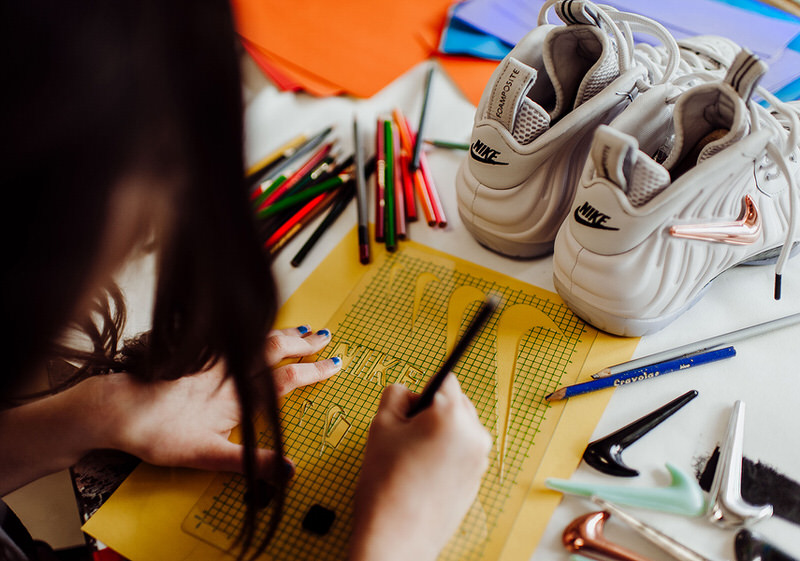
pixel 269 190
pixel 433 193
pixel 390 224
pixel 424 196
pixel 476 324
pixel 380 183
pixel 702 345
pixel 418 141
pixel 417 177
pixel 447 144
pixel 364 249
pixel 304 170
pixel 641 374
pixel 399 193
pixel 307 194
pixel 289 229
pixel 406 146
pixel 264 163
pixel 289 158
pixel 343 199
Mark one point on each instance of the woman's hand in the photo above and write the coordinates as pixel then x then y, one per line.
pixel 187 422
pixel 420 475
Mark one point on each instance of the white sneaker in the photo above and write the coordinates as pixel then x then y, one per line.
pixel 669 201
pixel 534 122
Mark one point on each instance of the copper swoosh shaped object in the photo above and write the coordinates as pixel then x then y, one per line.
pixel 742 231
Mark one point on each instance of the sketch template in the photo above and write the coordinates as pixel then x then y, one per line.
pixel 397 327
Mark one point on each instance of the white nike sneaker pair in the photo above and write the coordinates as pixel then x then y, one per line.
pixel 637 205
pixel 535 120
pixel 679 188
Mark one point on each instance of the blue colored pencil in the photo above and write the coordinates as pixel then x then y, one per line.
pixel 643 373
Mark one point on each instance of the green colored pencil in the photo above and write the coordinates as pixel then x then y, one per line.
pixel 389 195
pixel 305 195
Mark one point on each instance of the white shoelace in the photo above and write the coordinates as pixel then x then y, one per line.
pixel 780 152
pixel 622 26
pixel 667 62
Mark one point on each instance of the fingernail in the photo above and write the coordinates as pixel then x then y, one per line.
pixel 324 333
pixel 337 362
pixel 303 329
pixel 288 469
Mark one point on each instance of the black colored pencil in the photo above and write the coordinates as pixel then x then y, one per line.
pixel 479 319
pixel 414 165
pixel 336 210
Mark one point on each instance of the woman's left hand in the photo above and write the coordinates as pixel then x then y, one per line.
pixel 187 422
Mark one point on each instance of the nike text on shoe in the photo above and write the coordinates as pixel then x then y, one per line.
pixel 534 122
pixel 682 186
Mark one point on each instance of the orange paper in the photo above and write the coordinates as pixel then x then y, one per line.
pixel 358 47
pixel 469 74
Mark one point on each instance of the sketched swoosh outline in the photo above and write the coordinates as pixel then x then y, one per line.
pixel 743 231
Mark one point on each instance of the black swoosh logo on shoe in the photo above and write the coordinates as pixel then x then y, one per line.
pixel 589 216
pixel 485 154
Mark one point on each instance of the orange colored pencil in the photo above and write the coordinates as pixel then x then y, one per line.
pixel 406 146
pixel 424 197
pixel 433 193
pixel 407 138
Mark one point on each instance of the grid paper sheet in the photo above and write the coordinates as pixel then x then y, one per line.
pixel 397 327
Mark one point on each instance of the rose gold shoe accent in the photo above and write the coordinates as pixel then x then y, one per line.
pixel 584 536
pixel 743 231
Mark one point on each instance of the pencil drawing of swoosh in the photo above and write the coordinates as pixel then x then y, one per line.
pixel 514 323
pixel 743 231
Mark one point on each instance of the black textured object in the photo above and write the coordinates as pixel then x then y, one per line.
pixel 751 547
pixel 761 484
pixel 318 520
pixel 605 454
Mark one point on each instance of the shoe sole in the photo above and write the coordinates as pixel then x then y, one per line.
pixel 632 327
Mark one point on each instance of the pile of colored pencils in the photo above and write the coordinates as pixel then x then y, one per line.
pixel 402 179
pixel 296 184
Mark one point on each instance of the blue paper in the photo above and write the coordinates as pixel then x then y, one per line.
pixel 767 31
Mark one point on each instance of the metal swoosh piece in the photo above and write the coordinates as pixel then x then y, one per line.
pixel 743 231
pixel 682 496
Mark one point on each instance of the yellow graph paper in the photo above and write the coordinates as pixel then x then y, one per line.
pixel 397 326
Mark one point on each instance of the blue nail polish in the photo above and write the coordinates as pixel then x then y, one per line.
pixel 302 329
pixel 336 361
pixel 324 333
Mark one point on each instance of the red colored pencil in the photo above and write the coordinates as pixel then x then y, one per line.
pixel 298 221
pixel 399 198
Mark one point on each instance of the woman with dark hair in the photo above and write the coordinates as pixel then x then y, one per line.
pixel 123 128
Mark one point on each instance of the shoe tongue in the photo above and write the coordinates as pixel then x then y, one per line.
pixel 580 61
pixel 710 117
pixel 617 158
pixel 707 119
pixel 510 105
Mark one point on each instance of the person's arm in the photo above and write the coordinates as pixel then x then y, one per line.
pixel 48 435
pixel 419 477
pixel 184 422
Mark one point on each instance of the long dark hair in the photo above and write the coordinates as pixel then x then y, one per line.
pixel 94 90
